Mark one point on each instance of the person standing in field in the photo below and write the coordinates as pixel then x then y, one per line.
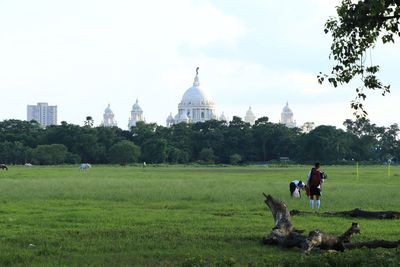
pixel 314 183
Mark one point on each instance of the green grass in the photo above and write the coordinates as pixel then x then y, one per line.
pixel 181 215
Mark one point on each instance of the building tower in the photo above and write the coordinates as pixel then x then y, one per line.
pixel 42 113
pixel 136 114
pixel 287 117
pixel 108 118
pixel 250 117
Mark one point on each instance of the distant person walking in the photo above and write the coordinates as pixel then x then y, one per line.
pixel 314 184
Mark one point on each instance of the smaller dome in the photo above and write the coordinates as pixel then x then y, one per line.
pixel 108 110
pixel 170 118
pixel 250 117
pixel 136 106
pixel 249 113
pixel 286 109
pixel 222 117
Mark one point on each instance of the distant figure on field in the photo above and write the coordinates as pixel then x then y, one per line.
pixel 144 164
pixel 84 166
pixel 3 167
pixel 295 187
pixel 28 165
pixel 314 185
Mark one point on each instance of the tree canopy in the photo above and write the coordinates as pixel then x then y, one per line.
pixel 204 142
pixel 356 29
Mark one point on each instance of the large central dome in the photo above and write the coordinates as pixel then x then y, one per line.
pixel 196 95
pixel 195 105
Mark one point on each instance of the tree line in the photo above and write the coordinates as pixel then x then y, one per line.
pixel 234 142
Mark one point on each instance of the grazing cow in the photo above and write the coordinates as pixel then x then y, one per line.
pixel 3 167
pixel 84 166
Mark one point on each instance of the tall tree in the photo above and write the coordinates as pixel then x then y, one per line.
pixel 326 144
pixel 238 138
pixel 124 152
pixel 49 154
pixel 262 134
pixel 29 133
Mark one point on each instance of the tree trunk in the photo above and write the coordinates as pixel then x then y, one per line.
pixel 373 244
pixel 356 213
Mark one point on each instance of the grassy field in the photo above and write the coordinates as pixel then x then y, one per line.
pixel 182 215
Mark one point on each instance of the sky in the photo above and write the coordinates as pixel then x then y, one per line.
pixel 83 55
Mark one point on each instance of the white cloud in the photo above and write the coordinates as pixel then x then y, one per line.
pixel 82 55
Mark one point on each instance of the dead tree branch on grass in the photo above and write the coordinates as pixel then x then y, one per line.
pixel 373 244
pixel 285 235
pixel 359 213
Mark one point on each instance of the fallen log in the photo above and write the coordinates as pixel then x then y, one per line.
pixel 373 244
pixel 318 239
pixel 285 235
pixel 359 213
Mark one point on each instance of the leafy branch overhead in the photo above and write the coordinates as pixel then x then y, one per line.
pixel 356 29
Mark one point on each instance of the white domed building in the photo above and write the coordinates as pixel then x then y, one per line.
pixel 108 118
pixel 195 106
pixel 250 117
pixel 287 117
pixel 136 115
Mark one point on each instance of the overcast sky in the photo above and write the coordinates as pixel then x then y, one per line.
pixel 83 55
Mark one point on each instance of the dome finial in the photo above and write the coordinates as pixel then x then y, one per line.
pixel 196 79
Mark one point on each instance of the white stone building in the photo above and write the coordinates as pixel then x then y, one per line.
pixel 108 118
pixel 287 117
pixel 195 106
pixel 250 117
pixel 42 113
pixel 136 115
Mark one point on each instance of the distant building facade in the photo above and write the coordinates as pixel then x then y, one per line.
pixel 42 113
pixel 108 118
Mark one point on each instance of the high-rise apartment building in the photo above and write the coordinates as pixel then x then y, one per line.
pixel 42 113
